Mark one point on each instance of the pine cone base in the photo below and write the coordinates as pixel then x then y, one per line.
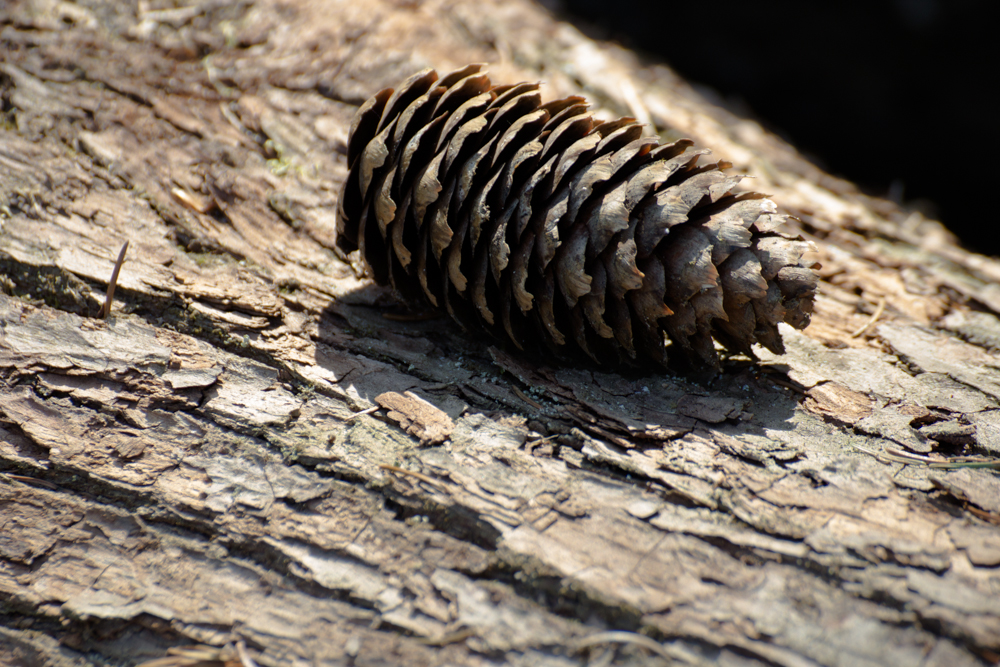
pixel 554 231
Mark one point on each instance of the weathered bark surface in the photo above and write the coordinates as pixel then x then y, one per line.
pixel 251 456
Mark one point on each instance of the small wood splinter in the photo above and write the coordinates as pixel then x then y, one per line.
pixel 109 297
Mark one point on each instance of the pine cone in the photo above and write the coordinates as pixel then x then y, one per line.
pixel 542 225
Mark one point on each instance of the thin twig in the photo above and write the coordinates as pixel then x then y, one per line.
pixel 892 455
pixel 449 638
pixel 909 456
pixel 524 397
pixel 367 411
pixel 106 309
pixel 872 452
pixel 541 441
pixel 621 637
pixel 241 651
pixel 24 479
pixel 874 318
pixel 949 463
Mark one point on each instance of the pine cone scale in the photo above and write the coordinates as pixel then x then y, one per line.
pixel 365 124
pixel 408 91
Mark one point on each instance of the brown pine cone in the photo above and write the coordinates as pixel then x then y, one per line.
pixel 542 225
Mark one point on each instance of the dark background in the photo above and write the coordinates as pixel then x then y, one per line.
pixel 898 96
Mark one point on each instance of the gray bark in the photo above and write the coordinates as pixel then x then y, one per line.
pixel 249 456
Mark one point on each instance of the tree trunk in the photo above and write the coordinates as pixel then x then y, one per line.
pixel 252 454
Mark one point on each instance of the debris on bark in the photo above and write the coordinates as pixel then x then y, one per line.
pixel 422 420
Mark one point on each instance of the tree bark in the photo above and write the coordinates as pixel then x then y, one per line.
pixel 254 455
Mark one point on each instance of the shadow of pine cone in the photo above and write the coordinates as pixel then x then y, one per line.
pixel 552 230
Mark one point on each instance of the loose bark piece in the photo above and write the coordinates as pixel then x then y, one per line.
pixel 836 401
pixel 417 417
